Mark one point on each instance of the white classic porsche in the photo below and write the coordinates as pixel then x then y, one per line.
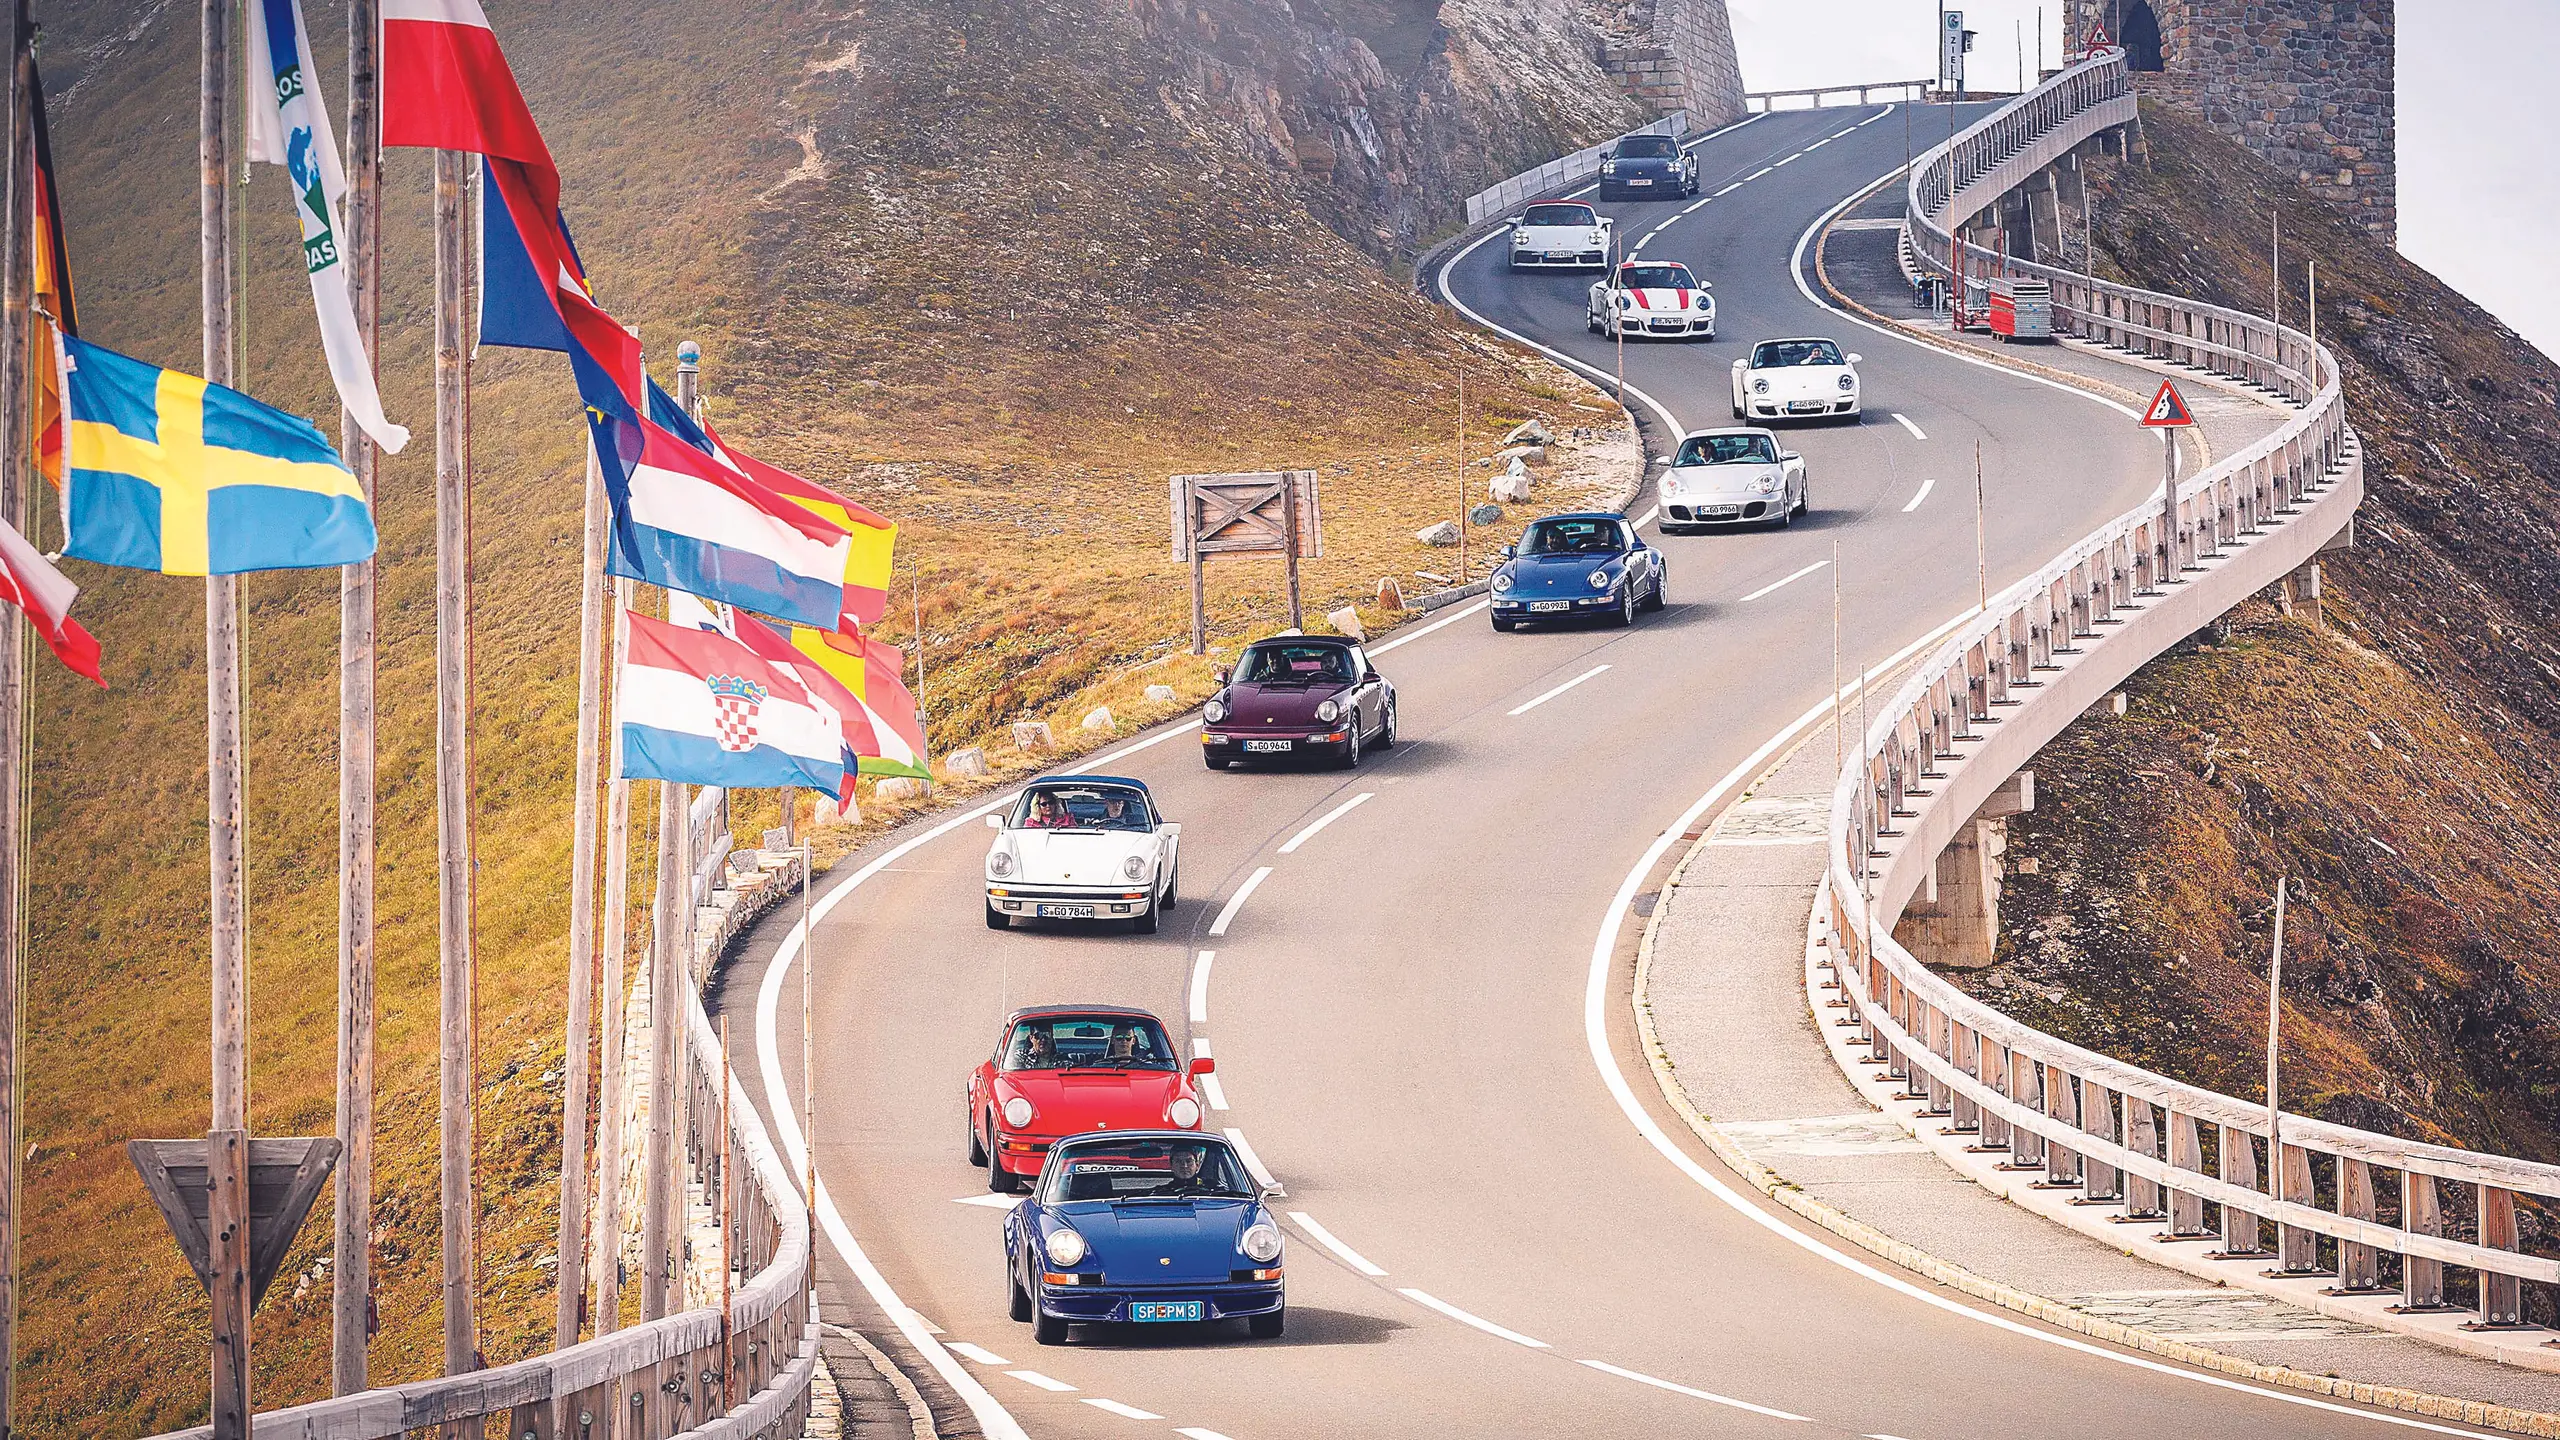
pixel 1795 380
pixel 1651 297
pixel 1561 235
pixel 1733 477
pixel 1083 847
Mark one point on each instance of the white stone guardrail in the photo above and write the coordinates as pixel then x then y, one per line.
pixel 2042 652
pixel 1559 174
pixel 662 1378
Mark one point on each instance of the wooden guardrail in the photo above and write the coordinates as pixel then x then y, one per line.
pixel 2042 651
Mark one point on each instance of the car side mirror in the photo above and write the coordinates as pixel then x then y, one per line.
pixel 1514 220
pixel 1221 674
pixel 995 822
pixel 1857 359
pixel 1169 827
pixel 1203 1065
pixel 1370 677
pixel 1510 552
pixel 1706 284
pixel 1789 455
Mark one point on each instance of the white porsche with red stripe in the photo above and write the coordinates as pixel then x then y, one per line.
pixel 1652 297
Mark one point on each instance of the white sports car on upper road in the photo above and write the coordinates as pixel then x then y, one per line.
pixel 1083 847
pixel 1561 235
pixel 1651 297
pixel 1729 477
pixel 1795 380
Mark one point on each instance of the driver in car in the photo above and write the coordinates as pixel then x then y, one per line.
pixel 1035 1052
pixel 1187 1162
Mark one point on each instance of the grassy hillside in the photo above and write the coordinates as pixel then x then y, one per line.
pixel 995 269
pixel 2400 759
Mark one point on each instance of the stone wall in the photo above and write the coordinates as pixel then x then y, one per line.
pixel 1676 54
pixel 2307 84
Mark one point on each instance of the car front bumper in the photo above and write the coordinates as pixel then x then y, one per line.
pixel 1719 509
pixel 1109 902
pixel 1525 258
pixel 1668 327
pixel 1555 607
pixel 1108 1304
pixel 1763 407
pixel 1273 744
pixel 1644 187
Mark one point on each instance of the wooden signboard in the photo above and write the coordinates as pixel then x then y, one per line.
pixel 285 1177
pixel 1266 512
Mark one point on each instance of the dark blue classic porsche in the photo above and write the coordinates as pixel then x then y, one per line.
pixel 1648 167
pixel 1146 1228
pixel 1577 565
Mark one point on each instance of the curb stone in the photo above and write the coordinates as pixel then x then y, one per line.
pixel 1955 1277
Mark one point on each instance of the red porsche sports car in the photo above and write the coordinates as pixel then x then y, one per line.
pixel 1061 1070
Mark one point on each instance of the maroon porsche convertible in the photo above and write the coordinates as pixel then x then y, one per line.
pixel 1295 696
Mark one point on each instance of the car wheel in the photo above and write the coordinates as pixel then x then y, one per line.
pixel 1387 730
pixel 997 919
pixel 1590 322
pixel 1267 1327
pixel 1017 1299
pixel 977 1144
pixel 1737 409
pixel 1171 886
pixel 1048 1329
pixel 1786 513
pixel 999 1180
pixel 1146 922
pixel 1653 597
pixel 1804 499
pixel 1625 614
pixel 1351 747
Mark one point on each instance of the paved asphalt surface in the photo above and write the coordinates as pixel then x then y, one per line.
pixel 1398 1010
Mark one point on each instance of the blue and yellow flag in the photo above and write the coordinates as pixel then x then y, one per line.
pixel 173 474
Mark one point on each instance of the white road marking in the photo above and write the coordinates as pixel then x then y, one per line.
pixel 1252 1161
pixel 1412 635
pixel 1035 1378
pixel 1925 487
pixel 1756 174
pixel 1326 1238
pixel 1200 1047
pixel 1303 836
pixel 1134 747
pixel 967 1351
pixel 1790 160
pixel 992 1202
pixel 1125 1412
pixel 1646 518
pixel 1729 189
pixel 1706 1395
pixel 1478 1321
pixel 1550 695
pixel 1669 420
pixel 1695 205
pixel 1195 1432
pixel 1236 901
pixel 1212 1092
pixel 1905 422
pixel 1776 585
pixel 1200 987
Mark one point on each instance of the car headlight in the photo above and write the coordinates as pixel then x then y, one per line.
pixel 1608 167
pixel 1000 864
pixel 1066 1248
pixel 1602 579
pixel 1670 485
pixel 1214 712
pixel 1848 382
pixel 1260 1242
pixel 1328 710
pixel 1184 1112
pixel 1760 387
pixel 1626 302
pixel 1502 580
pixel 1519 237
pixel 1017 1112
pixel 1134 866
pixel 1765 484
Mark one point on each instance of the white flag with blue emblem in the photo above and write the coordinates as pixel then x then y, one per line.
pixel 289 126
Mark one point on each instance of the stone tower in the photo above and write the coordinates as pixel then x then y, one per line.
pixel 2307 84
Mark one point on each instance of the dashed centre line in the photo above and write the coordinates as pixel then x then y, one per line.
pixel 978 1353
pixel 1925 487
pixel 1328 1240
pixel 1252 1161
pixel 1125 1412
pixel 1776 585
pixel 1236 901
pixel 1200 987
pixel 1478 1321
pixel 1528 706
pixel 1905 422
pixel 1039 1381
pixel 1327 818
pixel 1707 1395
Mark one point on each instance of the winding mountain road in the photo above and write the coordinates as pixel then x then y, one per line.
pixel 1418 1011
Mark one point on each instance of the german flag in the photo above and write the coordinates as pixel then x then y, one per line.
pixel 53 299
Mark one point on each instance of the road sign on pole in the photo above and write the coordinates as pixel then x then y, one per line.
pixel 2168 409
pixel 2168 414
pixel 1267 512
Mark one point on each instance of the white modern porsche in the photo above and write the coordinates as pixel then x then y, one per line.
pixel 1651 297
pixel 1733 477
pixel 1795 380
pixel 1561 235
pixel 1083 847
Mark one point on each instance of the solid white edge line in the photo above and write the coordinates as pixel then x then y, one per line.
pixel 1213 1092
pixel 1044 1382
pixel 1200 986
pixel 1236 901
pixel 1905 422
pixel 1330 1241
pixel 1252 1161
pixel 1478 1321
pixel 1528 706
pixel 1125 1412
pixel 1776 585
pixel 1336 813
pixel 1707 1395
pixel 1669 420
pixel 1927 485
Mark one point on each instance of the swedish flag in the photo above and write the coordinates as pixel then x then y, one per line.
pixel 173 474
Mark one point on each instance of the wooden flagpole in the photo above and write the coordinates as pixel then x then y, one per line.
pixel 227 1141
pixel 14 328
pixel 582 904
pixel 617 910
pixel 453 839
pixel 351 1267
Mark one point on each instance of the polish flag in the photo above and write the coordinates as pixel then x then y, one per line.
pixel 34 586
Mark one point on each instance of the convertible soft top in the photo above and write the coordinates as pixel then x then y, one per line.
pixel 1138 785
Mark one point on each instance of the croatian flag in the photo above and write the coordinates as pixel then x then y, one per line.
pixel 687 522
pixel 825 690
pixel 697 707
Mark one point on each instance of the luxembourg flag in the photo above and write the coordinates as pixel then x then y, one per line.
pixel 687 522
pixel 697 707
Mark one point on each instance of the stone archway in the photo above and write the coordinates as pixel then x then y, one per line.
pixel 2141 39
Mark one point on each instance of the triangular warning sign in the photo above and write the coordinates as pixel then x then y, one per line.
pixel 2098 38
pixel 2168 409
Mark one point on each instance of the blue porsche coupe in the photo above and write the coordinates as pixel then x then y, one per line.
pixel 1143 1228
pixel 1571 566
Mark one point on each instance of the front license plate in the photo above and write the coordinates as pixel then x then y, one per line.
pixel 1639 182
pixel 1549 607
pixel 1807 407
pixel 1268 747
pixel 1063 912
pixel 1157 1311
pixel 1718 512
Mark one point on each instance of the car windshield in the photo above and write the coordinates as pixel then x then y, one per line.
pixel 1559 215
pixel 1656 277
pixel 1648 147
pixel 1291 664
pixel 1727 450
pixel 1082 807
pixel 1088 1042
pixel 1776 354
pixel 1139 1170
pixel 1572 535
